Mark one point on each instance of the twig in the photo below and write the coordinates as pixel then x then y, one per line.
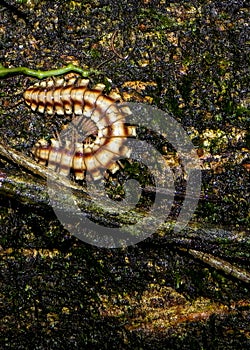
pixel 114 49
pixel 222 265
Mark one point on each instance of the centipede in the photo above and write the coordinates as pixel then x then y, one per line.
pixel 95 138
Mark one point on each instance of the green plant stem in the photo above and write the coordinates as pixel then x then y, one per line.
pixel 44 74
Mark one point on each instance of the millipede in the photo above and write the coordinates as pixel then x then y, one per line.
pixel 95 138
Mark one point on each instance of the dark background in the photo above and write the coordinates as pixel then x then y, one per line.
pixel 60 293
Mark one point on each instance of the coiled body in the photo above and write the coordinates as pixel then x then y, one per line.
pixel 94 139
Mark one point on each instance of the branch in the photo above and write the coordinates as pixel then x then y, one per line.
pixel 28 189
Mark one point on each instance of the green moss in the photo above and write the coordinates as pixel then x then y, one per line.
pixel 161 21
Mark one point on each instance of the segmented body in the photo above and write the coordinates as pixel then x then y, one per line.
pixel 94 139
